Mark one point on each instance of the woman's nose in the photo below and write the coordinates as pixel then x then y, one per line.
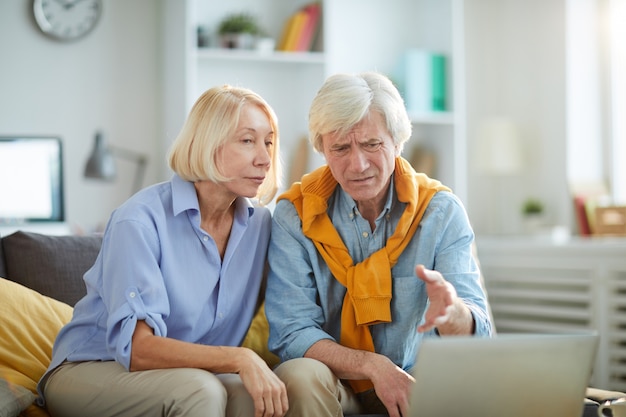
pixel 263 156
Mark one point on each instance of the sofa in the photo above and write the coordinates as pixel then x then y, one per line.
pixel 41 281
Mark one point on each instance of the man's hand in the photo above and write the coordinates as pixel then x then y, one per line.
pixel 446 311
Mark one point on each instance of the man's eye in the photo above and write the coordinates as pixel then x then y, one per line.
pixel 340 151
pixel 372 147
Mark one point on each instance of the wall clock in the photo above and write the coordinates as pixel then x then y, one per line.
pixel 67 20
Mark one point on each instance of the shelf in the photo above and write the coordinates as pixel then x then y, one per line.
pixel 257 56
pixel 435 118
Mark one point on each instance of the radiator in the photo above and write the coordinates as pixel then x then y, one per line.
pixel 537 286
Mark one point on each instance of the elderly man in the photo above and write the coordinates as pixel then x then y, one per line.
pixel 367 257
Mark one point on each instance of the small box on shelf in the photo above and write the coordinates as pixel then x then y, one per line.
pixel 610 220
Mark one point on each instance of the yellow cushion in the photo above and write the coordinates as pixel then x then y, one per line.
pixel 30 323
pixel 257 337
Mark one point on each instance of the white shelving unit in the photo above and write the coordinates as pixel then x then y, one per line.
pixel 356 36
pixel 234 55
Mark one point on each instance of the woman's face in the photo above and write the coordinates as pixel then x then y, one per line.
pixel 246 156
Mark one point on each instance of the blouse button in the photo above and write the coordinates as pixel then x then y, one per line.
pixel 132 294
pixel 205 238
pixel 365 234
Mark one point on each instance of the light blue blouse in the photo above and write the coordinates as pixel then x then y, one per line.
pixel 156 264
pixel 304 301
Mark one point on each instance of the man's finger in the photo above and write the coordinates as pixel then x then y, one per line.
pixel 427 275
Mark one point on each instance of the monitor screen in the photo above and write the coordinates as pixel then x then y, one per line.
pixel 31 179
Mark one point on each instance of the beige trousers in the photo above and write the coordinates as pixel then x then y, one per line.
pixel 315 391
pixel 99 389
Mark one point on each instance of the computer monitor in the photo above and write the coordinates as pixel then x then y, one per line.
pixel 31 179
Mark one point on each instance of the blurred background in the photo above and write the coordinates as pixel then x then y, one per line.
pixel 532 93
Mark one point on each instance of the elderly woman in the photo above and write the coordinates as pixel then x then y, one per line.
pixel 175 286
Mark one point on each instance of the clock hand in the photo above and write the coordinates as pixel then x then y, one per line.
pixel 63 4
pixel 75 2
pixel 70 4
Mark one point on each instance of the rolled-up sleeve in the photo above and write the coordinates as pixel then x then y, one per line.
pixel 137 292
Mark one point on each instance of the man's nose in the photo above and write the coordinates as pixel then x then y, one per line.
pixel 358 159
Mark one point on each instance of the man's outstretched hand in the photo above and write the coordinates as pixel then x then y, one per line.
pixel 446 311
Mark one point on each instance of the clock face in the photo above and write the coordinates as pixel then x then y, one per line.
pixel 67 19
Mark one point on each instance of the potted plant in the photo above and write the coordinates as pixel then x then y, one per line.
pixel 532 210
pixel 238 31
pixel 532 207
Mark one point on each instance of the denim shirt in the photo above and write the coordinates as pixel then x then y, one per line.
pixel 304 300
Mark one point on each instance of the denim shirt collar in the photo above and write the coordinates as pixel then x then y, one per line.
pixel 347 203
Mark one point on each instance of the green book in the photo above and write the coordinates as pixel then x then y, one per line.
pixel 438 82
pixel 421 79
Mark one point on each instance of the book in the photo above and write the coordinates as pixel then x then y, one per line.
pixel 587 195
pixel 438 82
pixel 310 27
pixel 300 30
pixel 287 29
pixel 582 220
pixel 421 78
pixel 298 21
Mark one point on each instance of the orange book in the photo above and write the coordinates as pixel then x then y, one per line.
pixel 295 31
pixel 285 34
pixel 305 42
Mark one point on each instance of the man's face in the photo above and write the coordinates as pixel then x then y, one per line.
pixel 362 160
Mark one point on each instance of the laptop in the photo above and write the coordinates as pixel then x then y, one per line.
pixel 509 375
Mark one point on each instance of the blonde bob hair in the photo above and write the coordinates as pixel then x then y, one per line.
pixel 345 99
pixel 212 120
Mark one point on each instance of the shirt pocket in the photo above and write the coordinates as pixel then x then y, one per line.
pixel 409 298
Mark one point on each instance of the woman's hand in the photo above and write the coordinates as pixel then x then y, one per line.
pixel 392 385
pixel 266 389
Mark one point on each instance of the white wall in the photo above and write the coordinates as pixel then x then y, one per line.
pixel 110 80
pixel 515 60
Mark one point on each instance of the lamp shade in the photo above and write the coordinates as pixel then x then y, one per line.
pixel 501 147
pixel 101 163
